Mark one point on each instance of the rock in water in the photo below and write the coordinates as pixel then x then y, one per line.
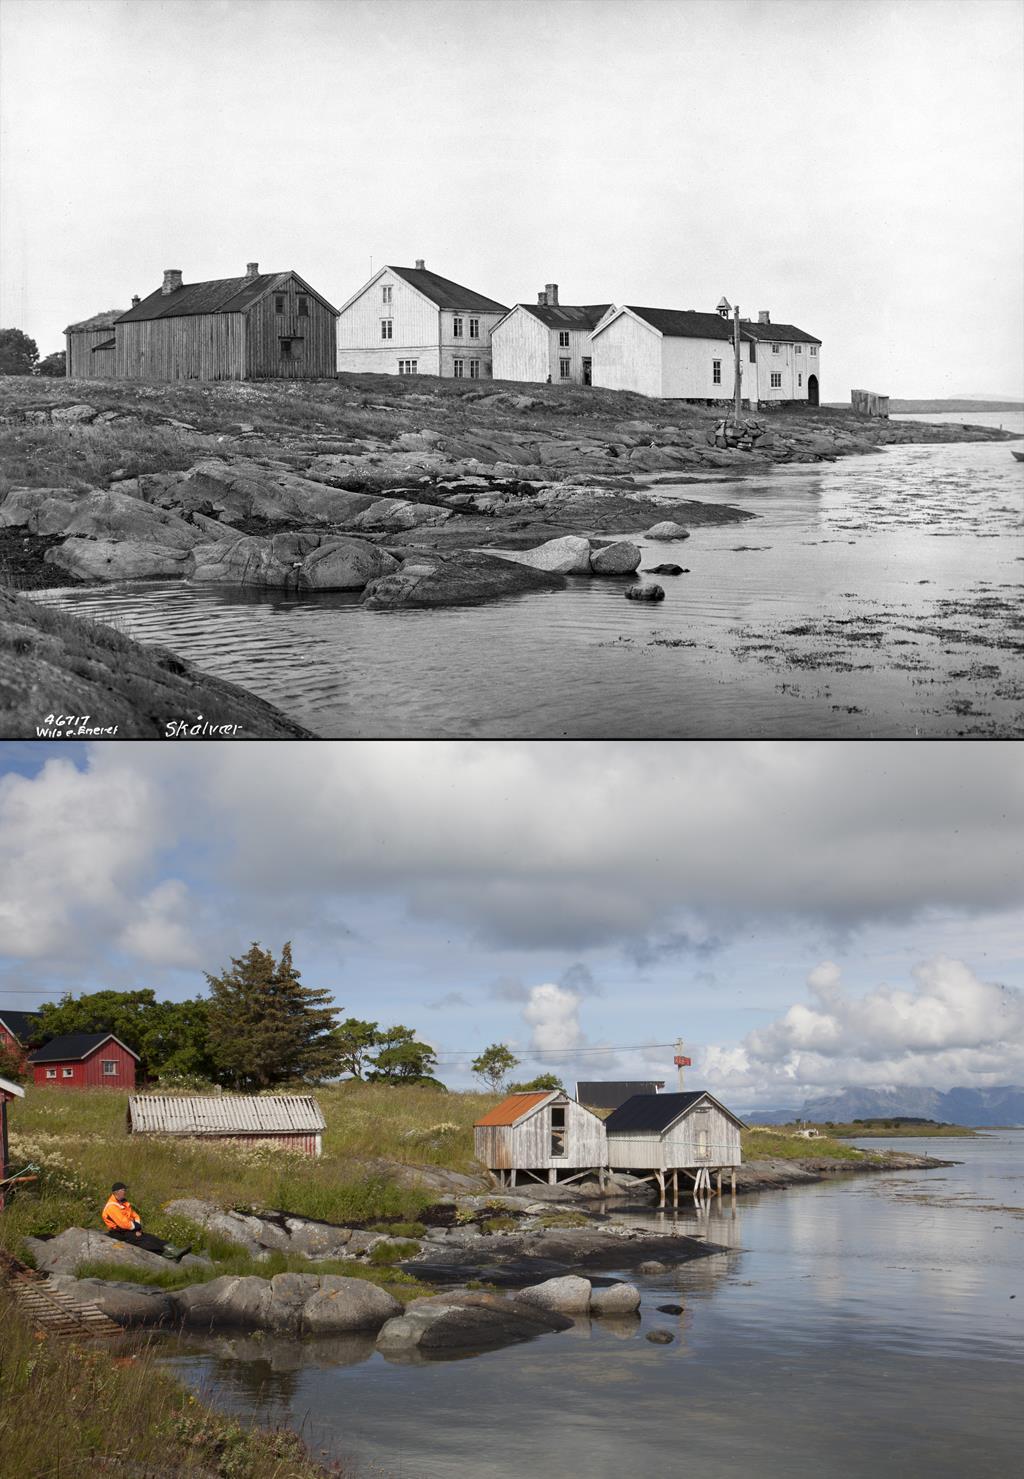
pixel 570 1295
pixel 645 593
pixel 125 559
pixel 569 555
pixel 670 1309
pixel 615 559
pixel 665 570
pixel 618 1299
pixel 667 530
pixel 660 1337
pixel 459 579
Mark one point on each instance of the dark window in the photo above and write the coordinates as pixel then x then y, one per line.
pixel 385 328
pixel 776 379
pixel 303 307
pixel 51 1073
pixel 458 368
pixel 474 328
pixel 564 367
pixel 279 303
pixel 456 328
pixel 563 338
pixel 474 369
pixel 68 1072
pixel 716 371
pixel 753 351
pixel 557 1129
pixel 291 348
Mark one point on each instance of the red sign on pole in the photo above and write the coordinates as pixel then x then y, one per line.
pixel 683 1062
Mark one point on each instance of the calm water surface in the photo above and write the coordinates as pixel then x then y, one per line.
pixel 878 595
pixel 858 1329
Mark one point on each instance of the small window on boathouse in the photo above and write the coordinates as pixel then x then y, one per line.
pixel 557 1129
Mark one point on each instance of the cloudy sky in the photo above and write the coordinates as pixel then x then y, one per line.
pixel 804 915
pixel 853 166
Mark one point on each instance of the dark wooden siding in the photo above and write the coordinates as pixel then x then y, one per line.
pixel 266 328
pixel 79 361
pixel 88 1073
pixel 201 346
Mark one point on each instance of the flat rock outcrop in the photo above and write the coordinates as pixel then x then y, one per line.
pixel 461 579
pixel 462 1320
pixel 78 1245
pixel 39 510
pixel 120 559
pixel 290 1303
pixel 263 1234
pixel 240 490
pixel 300 561
pixel 127 1304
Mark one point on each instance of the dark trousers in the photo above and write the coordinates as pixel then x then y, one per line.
pixel 149 1241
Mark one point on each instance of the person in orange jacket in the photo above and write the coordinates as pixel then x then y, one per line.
pixel 123 1223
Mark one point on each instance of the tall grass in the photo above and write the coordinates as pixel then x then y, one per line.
pixel 760 1145
pixel 83 457
pixel 72 1411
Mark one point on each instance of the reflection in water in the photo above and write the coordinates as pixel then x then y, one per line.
pixel 877 595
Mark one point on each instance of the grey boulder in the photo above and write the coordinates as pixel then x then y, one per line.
pixel 303 561
pixel 249 489
pixel 342 1304
pixel 39 510
pixel 645 593
pixel 568 555
pixel 125 1304
pixel 77 1245
pixel 116 515
pixel 621 558
pixel 570 1295
pixel 288 1303
pixel 463 578
pixel 616 1299
pixel 122 559
pixel 667 530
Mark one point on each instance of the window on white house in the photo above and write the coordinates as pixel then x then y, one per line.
pixel 563 338
pixel 799 380
pixel 564 367
pixel 385 293
pixel 798 349
pixel 109 1067
pixel 67 1073
pixel 303 307
pixel 776 380
pixel 458 368
pixel 408 366
pixel 716 371
pixel 776 349
pixel 279 303
pixel 474 369
pixel 51 1073
pixel 814 348
pixel 385 328
pixel 474 328
pixel 456 328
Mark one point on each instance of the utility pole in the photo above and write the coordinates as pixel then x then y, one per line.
pixel 736 354
pixel 681 1062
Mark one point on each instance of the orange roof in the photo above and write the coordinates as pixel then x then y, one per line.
pixel 510 1109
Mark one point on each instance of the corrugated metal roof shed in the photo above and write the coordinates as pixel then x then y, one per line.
pixel 610 1093
pixel 657 1111
pixel 514 1107
pixel 225 1114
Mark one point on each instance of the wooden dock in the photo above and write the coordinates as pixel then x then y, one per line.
pixel 52 1310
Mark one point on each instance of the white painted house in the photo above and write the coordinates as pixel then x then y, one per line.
pixel 409 321
pixel 680 354
pixel 546 340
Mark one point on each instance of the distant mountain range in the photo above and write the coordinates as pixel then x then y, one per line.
pixel 999 1106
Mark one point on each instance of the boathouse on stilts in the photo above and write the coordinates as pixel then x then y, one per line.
pixel 675 1140
pixel 541 1136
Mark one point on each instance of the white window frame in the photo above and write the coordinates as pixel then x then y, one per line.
pixel 67 1073
pixel 814 349
pixel 408 367
pixel 459 369
pixel 563 338
pixel 776 380
pixel 474 369
pixel 386 328
pixel 51 1073
pixel 798 349
pixel 109 1066
pixel 565 369
pixel 776 348
pixel 385 293
pixel 474 328
pixel 716 372
pixel 457 323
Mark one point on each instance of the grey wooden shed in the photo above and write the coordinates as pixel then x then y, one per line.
pixel 544 1135
pixel 659 1136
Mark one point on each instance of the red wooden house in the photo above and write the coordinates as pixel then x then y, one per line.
pixel 84 1060
pixel 8 1093
pixel 16 1030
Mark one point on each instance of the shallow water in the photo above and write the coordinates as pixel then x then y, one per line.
pixel 878 595
pixel 858 1328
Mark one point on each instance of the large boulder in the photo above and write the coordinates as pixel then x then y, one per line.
pixel 39 510
pixel 71 415
pixel 246 489
pixel 302 561
pixel 667 529
pixel 232 1301
pixel 106 559
pixel 342 1304
pixel 463 578
pixel 395 514
pixel 288 1303
pixel 621 558
pixel 461 1321
pixel 262 1234
pixel 616 1299
pixel 568 555
pixel 570 1295
pixel 78 1245
pixel 116 515
pixel 126 1304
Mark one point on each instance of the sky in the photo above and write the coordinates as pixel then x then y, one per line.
pixel 806 916
pixel 855 167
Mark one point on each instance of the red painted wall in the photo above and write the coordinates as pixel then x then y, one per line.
pixel 88 1074
pixel 11 1045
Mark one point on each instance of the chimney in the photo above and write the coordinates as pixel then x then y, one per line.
pixel 542 299
pixel 420 264
pixel 762 316
pixel 136 300
pixel 172 280
pixel 551 293
pixel 252 269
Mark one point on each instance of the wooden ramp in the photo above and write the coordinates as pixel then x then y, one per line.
pixel 50 1309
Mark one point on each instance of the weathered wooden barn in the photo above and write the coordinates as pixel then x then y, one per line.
pixel 89 346
pixel 292 1120
pixel 661 1137
pixel 8 1093
pixel 610 1093
pixel 541 1136
pixel 263 326
pixel 870 403
pixel 84 1060
pixel 546 340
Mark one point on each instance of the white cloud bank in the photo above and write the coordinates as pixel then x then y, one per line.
pixel 951 1029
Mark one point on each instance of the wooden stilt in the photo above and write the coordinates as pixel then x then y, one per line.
pixel 512 1173
pixel 675 1187
pixel 732 1178
pixel 718 1183
pixel 661 1187
pixel 552 1176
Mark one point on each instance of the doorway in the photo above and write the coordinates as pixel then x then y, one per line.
pixel 812 390
pixel 586 372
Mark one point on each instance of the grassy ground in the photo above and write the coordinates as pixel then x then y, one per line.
pixel 764 1145
pixel 883 1130
pixel 74 1411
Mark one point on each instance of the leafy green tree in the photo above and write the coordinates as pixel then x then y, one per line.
pixel 169 1036
pixel 354 1043
pixel 267 1028
pixel 53 365
pixel 494 1065
pixel 542 1081
pixel 401 1059
pixel 12 1066
pixel 18 353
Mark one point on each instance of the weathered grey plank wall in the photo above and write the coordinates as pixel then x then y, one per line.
pixel 313 334
pixel 200 346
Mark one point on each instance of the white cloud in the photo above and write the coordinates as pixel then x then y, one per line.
pixel 160 932
pixel 553 1013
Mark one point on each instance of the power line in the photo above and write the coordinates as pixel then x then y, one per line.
pixel 561 1052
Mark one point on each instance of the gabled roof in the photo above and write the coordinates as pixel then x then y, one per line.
pixel 564 316
pixel 19 1024
pixel 658 1112
pixel 222 295
pixel 225 1114
pixel 516 1106
pixel 6 1087
pixel 104 320
pixel 444 292
pixel 610 1093
pixel 777 333
pixel 74 1047
pixel 677 323
pixel 107 344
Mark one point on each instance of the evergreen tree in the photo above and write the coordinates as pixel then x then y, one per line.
pixel 18 353
pixel 267 1028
